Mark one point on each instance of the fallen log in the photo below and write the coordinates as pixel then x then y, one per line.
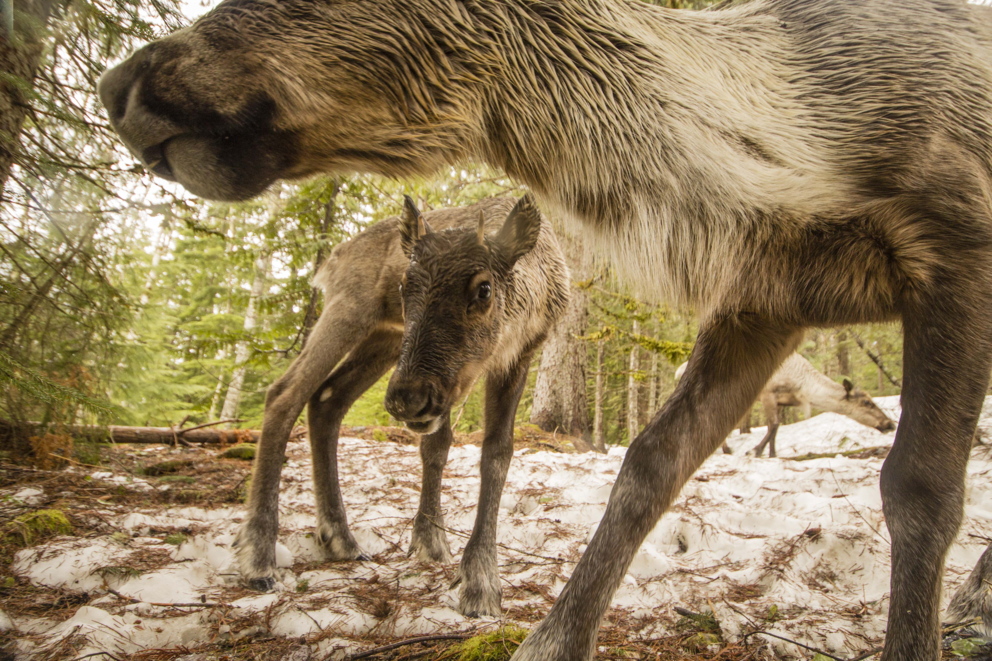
pixel 143 435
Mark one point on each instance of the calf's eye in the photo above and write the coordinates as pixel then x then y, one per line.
pixel 485 291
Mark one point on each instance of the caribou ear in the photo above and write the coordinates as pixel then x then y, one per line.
pixel 519 233
pixel 848 386
pixel 413 227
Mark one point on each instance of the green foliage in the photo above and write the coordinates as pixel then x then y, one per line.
pixel 970 647
pixel 176 538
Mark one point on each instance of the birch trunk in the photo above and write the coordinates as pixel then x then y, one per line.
pixel 599 433
pixel 242 350
pixel 633 389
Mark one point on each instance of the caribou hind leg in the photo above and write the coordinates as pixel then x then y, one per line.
pixel 480 593
pixel 328 406
pixel 428 541
pixel 947 358
pixel 733 359
pixel 340 325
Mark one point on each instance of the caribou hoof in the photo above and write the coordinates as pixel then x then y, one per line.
pixel 262 584
pixel 479 597
pixel 429 544
pixel 339 546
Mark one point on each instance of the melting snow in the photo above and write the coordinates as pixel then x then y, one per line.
pixel 804 541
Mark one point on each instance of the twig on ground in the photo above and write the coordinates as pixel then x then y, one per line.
pixel 208 424
pixel 762 632
pixel 409 641
pixel 204 604
pixel 557 561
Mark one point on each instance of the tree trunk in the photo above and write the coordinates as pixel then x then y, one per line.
pixel 633 387
pixel 843 357
pixel 19 58
pixel 654 384
pixel 243 350
pixel 560 391
pixel 599 434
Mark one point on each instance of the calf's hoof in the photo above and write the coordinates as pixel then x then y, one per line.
pixel 256 559
pixel 338 545
pixel 263 584
pixel 429 545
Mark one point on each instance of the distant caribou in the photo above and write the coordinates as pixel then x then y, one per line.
pixel 798 383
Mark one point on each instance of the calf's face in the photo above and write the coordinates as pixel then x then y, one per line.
pixel 454 305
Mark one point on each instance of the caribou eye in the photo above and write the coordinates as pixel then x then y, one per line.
pixel 485 291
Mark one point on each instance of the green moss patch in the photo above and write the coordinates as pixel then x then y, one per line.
pixel 175 538
pixel 33 527
pixel 243 451
pixel 183 479
pixel 498 645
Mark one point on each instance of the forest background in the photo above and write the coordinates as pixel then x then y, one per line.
pixel 124 300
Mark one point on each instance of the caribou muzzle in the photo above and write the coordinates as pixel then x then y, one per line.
pixel 415 402
pixel 218 144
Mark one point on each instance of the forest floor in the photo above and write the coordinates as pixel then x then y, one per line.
pixel 140 568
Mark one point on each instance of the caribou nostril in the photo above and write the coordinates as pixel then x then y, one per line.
pixel 426 410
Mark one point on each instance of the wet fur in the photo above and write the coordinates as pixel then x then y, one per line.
pixel 771 165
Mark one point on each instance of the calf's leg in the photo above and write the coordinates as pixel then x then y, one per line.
pixel 428 541
pixel 328 406
pixel 733 359
pixel 339 328
pixel 478 574
pixel 947 359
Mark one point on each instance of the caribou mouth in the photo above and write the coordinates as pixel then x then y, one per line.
pixel 424 427
pixel 156 163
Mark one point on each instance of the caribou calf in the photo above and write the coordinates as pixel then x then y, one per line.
pixel 359 337
pixel 476 304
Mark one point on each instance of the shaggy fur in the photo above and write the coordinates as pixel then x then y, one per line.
pixel 476 304
pixel 358 337
pixel 771 164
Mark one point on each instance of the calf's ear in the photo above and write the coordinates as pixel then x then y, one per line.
pixel 521 229
pixel 413 227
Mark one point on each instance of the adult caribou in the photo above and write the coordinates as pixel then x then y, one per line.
pixel 772 165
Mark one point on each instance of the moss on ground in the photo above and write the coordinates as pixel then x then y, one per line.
pixel 33 527
pixel 175 538
pixel 498 645
pixel 243 451
pixel 184 479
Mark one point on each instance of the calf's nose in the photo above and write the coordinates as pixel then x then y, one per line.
pixel 408 401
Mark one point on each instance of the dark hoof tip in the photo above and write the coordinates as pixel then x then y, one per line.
pixel 363 558
pixel 264 584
